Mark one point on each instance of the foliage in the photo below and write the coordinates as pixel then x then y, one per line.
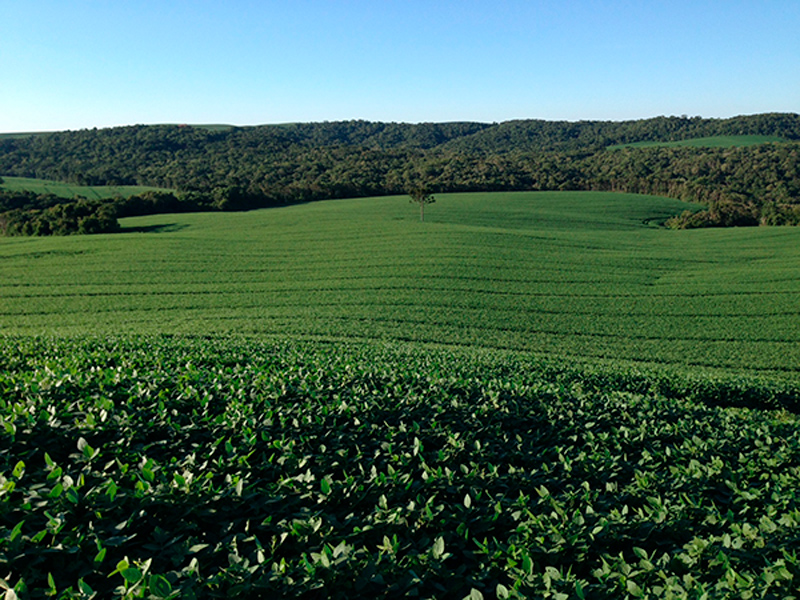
pixel 58 218
pixel 248 167
pixel 168 467
pixel 421 196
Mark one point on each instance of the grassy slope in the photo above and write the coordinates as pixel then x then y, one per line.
pixel 578 275
pixel 68 190
pixel 720 141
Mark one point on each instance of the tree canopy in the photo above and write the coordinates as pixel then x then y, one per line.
pixel 420 195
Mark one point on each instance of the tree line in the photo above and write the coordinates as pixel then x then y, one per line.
pixel 252 167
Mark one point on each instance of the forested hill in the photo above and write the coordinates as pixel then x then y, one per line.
pixel 246 167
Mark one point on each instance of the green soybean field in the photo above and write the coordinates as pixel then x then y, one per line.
pixel 527 395
pixel 717 141
pixel 68 190
pixel 577 275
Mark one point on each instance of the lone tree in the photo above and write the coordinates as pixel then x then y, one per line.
pixel 421 196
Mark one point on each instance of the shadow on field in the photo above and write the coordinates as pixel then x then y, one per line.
pixel 160 228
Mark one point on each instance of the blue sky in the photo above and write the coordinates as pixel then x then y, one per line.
pixel 74 64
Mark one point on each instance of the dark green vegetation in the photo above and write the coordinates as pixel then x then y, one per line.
pixel 41 215
pixel 250 167
pixel 43 207
pixel 161 467
pixel 578 274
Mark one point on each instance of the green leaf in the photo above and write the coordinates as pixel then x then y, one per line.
pixel 502 591
pixel 85 588
pixel 552 573
pixel 131 574
pixel 579 591
pixel 325 486
pixel 121 566
pixel 16 531
pixel 438 547
pixel 474 594
pixel 147 471
pixel 19 469
pixel 633 588
pixel 111 490
pixel 57 490
pixel 160 586
pixel 527 564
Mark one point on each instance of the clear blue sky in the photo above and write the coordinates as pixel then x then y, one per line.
pixel 73 64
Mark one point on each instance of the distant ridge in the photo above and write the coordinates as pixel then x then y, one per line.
pixel 737 166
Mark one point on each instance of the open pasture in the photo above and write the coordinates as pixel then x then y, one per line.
pixel 717 141
pixel 583 276
pixel 69 190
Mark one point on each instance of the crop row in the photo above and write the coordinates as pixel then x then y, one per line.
pixel 216 467
pixel 524 271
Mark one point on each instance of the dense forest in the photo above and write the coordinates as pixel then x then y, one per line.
pixel 240 168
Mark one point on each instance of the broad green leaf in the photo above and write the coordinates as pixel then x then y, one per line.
pixel 160 586
pixel 438 547
pixel 16 531
pixel 474 594
pixel 552 573
pixel 121 566
pixel 85 588
pixel 57 490
pixel 633 588
pixel 131 574
pixel 527 564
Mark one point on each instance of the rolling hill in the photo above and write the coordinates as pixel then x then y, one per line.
pixel 577 275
